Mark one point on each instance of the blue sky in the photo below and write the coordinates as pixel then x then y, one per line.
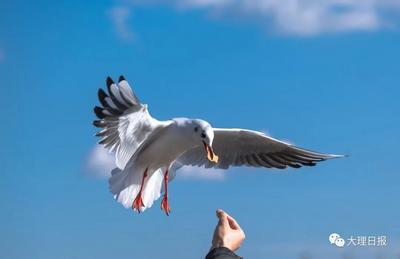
pixel 322 76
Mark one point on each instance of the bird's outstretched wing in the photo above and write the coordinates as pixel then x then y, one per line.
pixel 240 147
pixel 125 122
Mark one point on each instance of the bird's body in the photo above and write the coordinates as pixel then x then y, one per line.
pixel 149 152
pixel 167 145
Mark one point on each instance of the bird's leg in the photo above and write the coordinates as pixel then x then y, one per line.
pixel 138 202
pixel 164 203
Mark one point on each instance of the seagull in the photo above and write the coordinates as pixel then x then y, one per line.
pixel 148 152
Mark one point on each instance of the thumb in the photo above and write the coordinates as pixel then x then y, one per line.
pixel 223 217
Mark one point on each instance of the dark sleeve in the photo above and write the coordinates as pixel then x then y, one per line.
pixel 222 253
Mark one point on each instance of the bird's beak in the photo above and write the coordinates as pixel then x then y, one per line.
pixel 210 153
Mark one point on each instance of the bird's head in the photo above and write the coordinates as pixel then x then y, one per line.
pixel 204 133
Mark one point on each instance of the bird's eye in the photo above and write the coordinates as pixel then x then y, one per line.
pixel 196 129
pixel 203 135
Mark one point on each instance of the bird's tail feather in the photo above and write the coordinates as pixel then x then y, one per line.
pixel 125 185
pixel 153 188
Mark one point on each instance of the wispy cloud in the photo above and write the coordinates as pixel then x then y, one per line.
pixel 120 17
pixel 201 173
pixel 99 162
pixel 290 17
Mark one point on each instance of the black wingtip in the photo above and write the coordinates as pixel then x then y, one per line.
pixel 101 94
pixel 310 164
pixel 109 81
pixel 294 165
pixel 99 112
pixel 121 78
pixel 97 123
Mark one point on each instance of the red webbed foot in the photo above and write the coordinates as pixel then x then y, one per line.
pixel 165 205
pixel 138 203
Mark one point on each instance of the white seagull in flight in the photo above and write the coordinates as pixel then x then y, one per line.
pixel 148 152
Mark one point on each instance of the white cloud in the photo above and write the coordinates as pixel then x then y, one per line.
pixel 291 17
pixel 201 173
pixel 120 17
pixel 100 162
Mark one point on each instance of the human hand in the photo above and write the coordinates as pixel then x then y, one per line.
pixel 227 232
